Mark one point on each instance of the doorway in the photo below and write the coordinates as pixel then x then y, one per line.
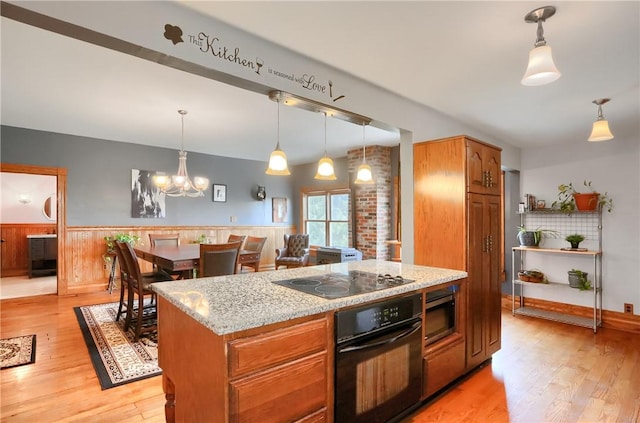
pixel 56 219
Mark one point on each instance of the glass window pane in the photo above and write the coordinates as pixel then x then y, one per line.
pixel 316 207
pixel 317 233
pixel 339 236
pixel 340 207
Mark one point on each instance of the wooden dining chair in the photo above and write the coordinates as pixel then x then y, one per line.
pixel 219 259
pixel 256 244
pixel 141 300
pixel 241 238
pixel 170 240
pixel 158 240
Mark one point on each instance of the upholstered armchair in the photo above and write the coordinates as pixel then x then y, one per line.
pixel 295 252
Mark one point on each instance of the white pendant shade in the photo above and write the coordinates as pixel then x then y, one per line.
pixel 541 69
pixel 325 171
pixel 278 163
pixel 600 131
pixel 364 175
pixel 278 160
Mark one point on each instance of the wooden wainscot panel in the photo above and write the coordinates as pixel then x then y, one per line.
pixel 257 352
pixel 15 247
pixel 88 272
pixel 283 394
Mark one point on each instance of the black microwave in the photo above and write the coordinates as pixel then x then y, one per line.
pixel 440 314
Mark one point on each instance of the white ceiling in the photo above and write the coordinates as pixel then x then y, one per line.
pixel 464 59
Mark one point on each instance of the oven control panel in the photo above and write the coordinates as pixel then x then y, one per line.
pixel 368 318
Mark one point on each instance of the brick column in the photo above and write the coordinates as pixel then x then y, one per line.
pixel 372 202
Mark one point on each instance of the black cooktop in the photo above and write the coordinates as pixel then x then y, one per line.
pixel 339 285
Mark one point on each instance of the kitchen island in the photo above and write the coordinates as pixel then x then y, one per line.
pixel 241 348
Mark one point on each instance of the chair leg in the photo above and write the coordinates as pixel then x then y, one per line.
pixel 121 304
pixel 129 315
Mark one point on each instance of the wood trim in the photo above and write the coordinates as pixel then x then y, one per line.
pixel 61 223
pixel 610 319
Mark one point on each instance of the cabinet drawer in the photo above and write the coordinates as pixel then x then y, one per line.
pixel 247 355
pixel 284 394
pixel 443 367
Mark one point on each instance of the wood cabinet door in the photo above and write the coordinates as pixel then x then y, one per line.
pixel 476 281
pixel 484 318
pixel 483 168
pixel 493 286
pixel 283 394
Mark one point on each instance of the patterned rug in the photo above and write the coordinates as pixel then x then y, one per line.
pixel 115 357
pixel 17 351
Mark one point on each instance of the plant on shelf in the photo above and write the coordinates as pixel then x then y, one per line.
pixel 570 200
pixel 574 240
pixel 532 237
pixel 578 279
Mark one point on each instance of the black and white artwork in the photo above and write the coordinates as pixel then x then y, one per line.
pixel 146 199
pixel 219 193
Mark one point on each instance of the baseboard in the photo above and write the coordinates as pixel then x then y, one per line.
pixel 610 319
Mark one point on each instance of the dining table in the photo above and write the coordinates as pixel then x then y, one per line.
pixel 184 258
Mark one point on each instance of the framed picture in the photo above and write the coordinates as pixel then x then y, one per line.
pixel 219 193
pixel 146 199
pixel 279 209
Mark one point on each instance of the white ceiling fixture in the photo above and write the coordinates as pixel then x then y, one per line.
pixel 278 160
pixel 541 69
pixel 326 171
pixel 600 130
pixel 364 175
pixel 180 185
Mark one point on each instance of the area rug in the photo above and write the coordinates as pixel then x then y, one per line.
pixel 17 351
pixel 116 358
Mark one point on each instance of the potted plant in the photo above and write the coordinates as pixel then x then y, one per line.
pixel 111 243
pixel 578 279
pixel 570 200
pixel 532 237
pixel 574 240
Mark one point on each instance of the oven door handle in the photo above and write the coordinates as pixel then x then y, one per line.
pixel 410 331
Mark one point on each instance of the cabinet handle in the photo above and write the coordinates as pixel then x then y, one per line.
pixel 490 247
pixel 485 246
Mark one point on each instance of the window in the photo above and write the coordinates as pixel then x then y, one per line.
pixel 326 217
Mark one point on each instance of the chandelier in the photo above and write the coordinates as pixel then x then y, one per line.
pixel 180 185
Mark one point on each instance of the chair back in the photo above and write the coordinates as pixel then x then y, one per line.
pixel 124 270
pixel 134 276
pixel 160 240
pixel 255 243
pixel 241 238
pixel 297 244
pixel 219 259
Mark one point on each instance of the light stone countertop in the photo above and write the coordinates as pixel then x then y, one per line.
pixel 42 236
pixel 228 304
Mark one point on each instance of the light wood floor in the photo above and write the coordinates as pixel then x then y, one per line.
pixel 545 372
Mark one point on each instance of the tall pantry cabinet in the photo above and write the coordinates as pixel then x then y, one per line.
pixel 457 201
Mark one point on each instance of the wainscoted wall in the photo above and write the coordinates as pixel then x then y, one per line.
pixel 87 271
pixel 14 250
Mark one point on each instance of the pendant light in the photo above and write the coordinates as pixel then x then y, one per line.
pixel 278 160
pixel 180 185
pixel 364 175
pixel 541 70
pixel 600 131
pixel 325 165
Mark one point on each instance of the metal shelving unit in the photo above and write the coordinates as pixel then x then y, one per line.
pixel 592 219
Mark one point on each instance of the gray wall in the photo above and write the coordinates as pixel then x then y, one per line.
pixel 99 180
pixel 511 222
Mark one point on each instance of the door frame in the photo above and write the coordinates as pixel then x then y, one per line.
pixel 61 207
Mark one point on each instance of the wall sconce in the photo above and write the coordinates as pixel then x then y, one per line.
pixel 261 194
pixel 600 131
pixel 541 70
pixel 24 198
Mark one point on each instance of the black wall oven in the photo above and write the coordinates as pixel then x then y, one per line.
pixel 378 371
pixel 440 314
